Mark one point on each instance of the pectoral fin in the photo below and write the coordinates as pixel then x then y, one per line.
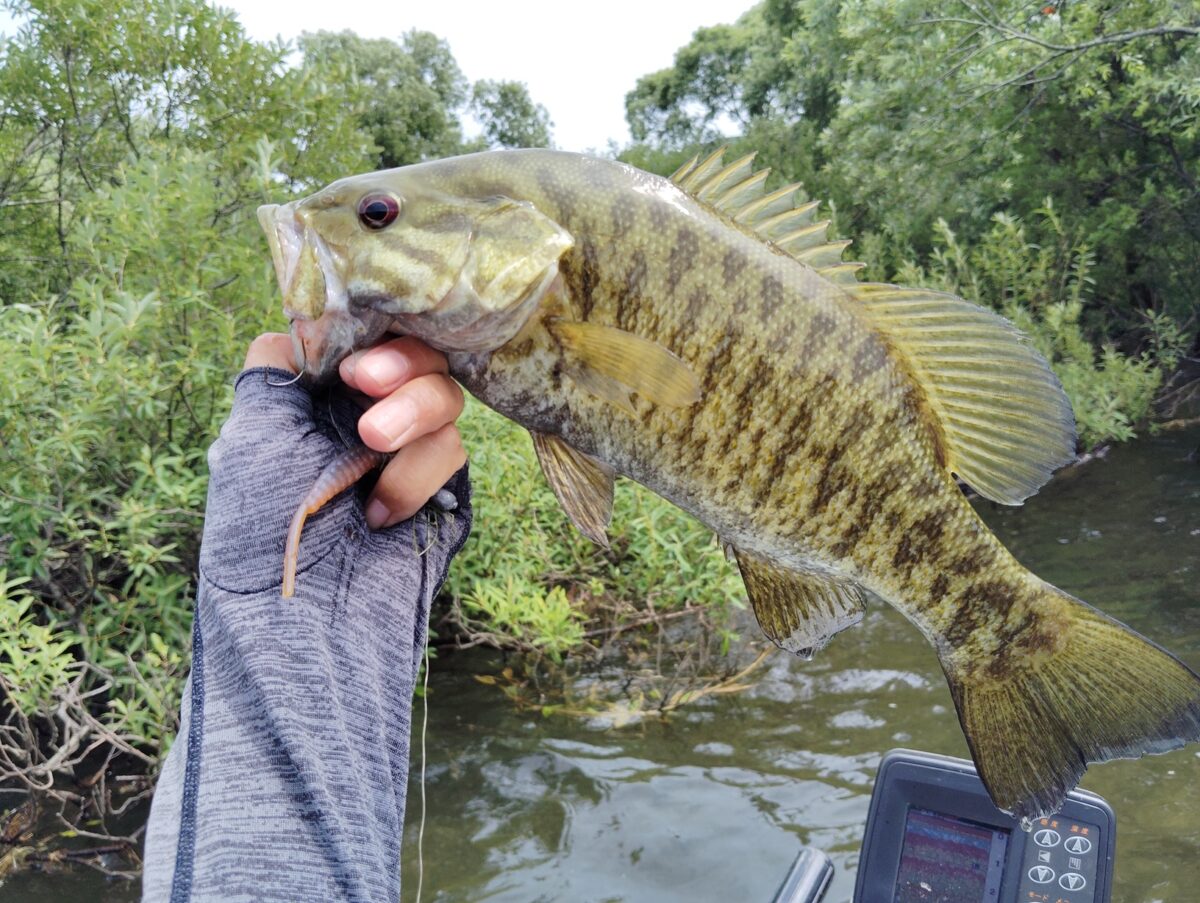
pixel 799 612
pixel 612 363
pixel 582 485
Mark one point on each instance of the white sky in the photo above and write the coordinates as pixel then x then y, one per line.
pixel 578 59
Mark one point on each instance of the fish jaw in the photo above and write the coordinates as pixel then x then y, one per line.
pixel 324 330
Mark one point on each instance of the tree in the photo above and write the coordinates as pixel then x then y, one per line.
pixel 413 90
pixel 961 115
pixel 1055 149
pixel 905 113
pixel 414 97
pixel 509 116
pixel 86 89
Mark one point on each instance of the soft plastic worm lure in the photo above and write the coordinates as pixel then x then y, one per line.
pixel 341 473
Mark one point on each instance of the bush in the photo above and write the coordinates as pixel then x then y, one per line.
pixel 1044 290
pixel 140 276
pixel 118 387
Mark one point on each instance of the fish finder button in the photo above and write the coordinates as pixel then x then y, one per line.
pixel 1072 881
pixel 1078 845
pixel 1050 838
pixel 1041 874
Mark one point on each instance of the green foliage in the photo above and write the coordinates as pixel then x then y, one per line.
pixel 35 660
pixel 133 151
pixel 908 113
pixel 90 85
pixel 411 96
pixel 526 615
pixel 509 116
pixel 1044 289
pixel 410 91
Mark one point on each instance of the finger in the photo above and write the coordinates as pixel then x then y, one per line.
pixel 415 409
pixel 383 369
pixel 271 349
pixel 414 475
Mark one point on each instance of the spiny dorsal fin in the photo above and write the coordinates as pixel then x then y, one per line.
pixel 1003 415
pixel 582 485
pixel 780 217
pixel 799 612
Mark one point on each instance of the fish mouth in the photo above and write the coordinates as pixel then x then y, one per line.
pixel 315 299
pixel 284 235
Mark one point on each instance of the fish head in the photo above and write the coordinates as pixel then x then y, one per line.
pixel 396 252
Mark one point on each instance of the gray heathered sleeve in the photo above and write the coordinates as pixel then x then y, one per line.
pixel 288 776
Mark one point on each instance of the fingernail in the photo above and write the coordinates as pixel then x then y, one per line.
pixel 392 420
pixel 349 365
pixel 385 366
pixel 377 514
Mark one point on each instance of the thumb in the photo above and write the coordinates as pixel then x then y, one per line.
pixel 271 349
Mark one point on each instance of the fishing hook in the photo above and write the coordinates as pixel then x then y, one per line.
pixel 290 382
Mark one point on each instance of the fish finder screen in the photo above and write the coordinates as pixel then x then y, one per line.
pixel 949 860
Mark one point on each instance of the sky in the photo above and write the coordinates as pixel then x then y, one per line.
pixel 579 60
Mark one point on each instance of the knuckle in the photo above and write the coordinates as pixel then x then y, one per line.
pixel 262 343
pixel 437 394
pixel 394 487
pixel 267 348
pixel 448 440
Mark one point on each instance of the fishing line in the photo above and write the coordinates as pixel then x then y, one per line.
pixel 424 731
pixel 347 442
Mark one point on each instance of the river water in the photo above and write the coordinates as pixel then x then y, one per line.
pixel 714 803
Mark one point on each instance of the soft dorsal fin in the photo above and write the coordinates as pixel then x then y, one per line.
pixel 781 217
pixel 1004 418
pixel 1002 414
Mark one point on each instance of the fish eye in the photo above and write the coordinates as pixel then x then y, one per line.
pixel 378 211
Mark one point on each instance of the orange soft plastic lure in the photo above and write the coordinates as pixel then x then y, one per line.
pixel 341 473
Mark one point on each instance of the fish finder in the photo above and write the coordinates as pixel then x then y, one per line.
pixel 934 836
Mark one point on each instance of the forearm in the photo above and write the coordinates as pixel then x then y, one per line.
pixel 288 777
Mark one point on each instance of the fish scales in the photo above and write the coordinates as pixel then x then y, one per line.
pixel 729 457
pixel 699 337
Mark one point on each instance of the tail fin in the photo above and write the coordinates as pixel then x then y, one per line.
pixel 1106 693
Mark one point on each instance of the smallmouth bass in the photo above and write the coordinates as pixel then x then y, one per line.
pixel 699 335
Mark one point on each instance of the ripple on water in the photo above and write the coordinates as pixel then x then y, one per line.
pixel 855 719
pixel 714 749
pixel 860 680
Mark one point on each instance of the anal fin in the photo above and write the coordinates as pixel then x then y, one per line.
pixel 582 485
pixel 800 612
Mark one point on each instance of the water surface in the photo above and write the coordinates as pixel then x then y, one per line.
pixel 713 804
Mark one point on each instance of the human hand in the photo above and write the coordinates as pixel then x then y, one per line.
pixel 416 404
pixel 288 695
